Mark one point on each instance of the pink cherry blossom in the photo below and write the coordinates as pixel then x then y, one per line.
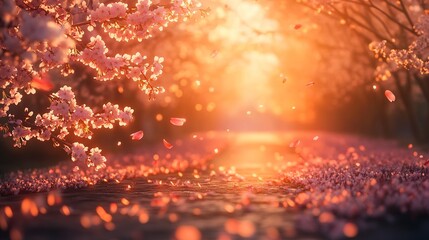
pixel 45 39
pixel 78 152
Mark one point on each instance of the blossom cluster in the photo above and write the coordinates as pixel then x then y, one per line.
pixel 12 79
pixel 394 59
pixel 412 58
pixel 65 115
pixel 40 36
pixel 124 24
pixel 133 67
pixel 36 35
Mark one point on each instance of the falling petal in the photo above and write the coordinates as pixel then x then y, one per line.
pixel 389 95
pixel 214 53
pixel 177 121
pixel 137 135
pixel 167 144
pixel 310 84
pixel 43 83
pixel 294 144
pixel 283 77
pixel 297 26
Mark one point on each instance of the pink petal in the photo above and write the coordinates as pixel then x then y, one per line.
pixel 310 84
pixel 177 121
pixel 389 95
pixel 43 83
pixel 294 144
pixel 214 53
pixel 137 135
pixel 167 144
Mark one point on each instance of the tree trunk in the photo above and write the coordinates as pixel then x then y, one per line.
pixel 408 104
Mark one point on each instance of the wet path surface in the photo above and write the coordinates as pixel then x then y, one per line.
pixel 240 204
pixel 251 186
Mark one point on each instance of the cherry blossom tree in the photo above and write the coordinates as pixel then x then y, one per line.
pixel 396 35
pixel 203 63
pixel 43 39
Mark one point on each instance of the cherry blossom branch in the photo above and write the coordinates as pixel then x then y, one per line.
pixel 41 37
pixel 394 20
pixel 405 11
pixel 81 24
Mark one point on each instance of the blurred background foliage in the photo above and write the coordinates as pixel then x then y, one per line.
pixel 259 65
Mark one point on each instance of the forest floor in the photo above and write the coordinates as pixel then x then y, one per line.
pixel 249 185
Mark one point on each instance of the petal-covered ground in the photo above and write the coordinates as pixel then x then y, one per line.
pixel 229 186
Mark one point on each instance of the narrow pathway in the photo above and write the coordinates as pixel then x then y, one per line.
pixel 239 203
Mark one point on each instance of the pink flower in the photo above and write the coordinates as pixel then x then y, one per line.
pixel 96 158
pixel 125 116
pixel 82 113
pixel 65 93
pixel 78 152
pixel 60 108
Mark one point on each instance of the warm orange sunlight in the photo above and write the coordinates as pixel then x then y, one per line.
pixel 214 119
pixel 247 65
